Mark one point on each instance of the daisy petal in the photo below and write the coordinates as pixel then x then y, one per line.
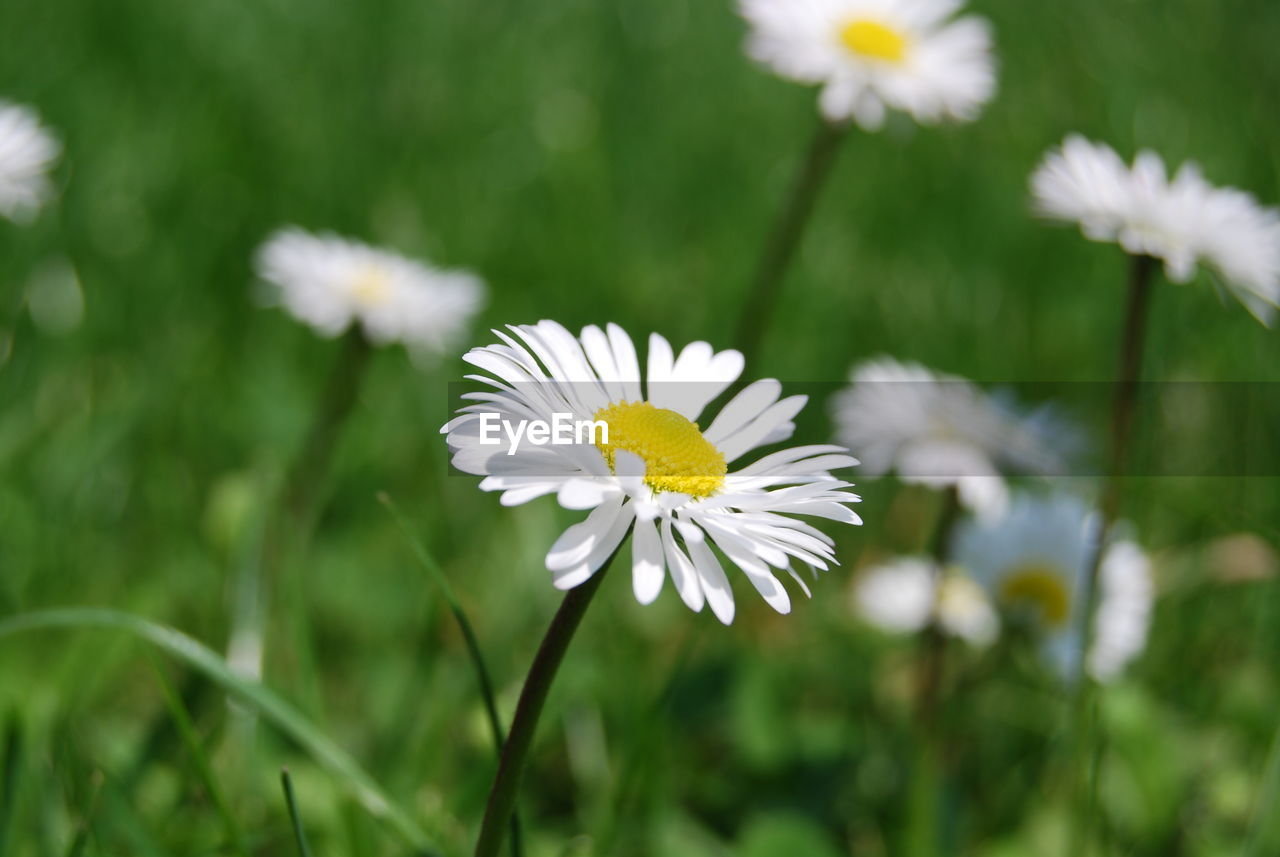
pixel 647 569
pixel 577 543
pixel 714 583
pixel 683 574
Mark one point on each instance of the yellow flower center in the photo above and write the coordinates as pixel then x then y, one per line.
pixel 1042 587
pixel 676 455
pixel 874 40
pixel 371 287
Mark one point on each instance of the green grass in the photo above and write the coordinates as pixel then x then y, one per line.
pixel 595 162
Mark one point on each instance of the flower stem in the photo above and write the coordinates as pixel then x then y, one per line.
pixel 288 526
pixel 1123 405
pixel 515 752
pixel 788 229
pixel 1087 750
pixel 930 765
pixel 1141 279
pixel 927 692
pixel 309 471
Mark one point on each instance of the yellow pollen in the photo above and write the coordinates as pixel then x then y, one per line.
pixel 1042 587
pixel 874 40
pixel 371 287
pixel 676 455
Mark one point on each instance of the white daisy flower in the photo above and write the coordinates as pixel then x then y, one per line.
pixel 870 55
pixel 940 431
pixel 1183 221
pixel 1034 564
pixel 27 153
pixel 330 282
pixel 906 594
pixel 649 463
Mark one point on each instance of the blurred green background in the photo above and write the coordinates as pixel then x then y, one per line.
pixel 594 162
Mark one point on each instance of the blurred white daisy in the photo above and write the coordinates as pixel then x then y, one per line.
pixel 27 153
pixel 906 594
pixel 658 469
pixel 870 55
pixel 941 430
pixel 1125 601
pixel 1184 221
pixel 1034 563
pixel 331 282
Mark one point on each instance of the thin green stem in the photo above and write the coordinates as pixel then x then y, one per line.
pixel 295 817
pixel 473 648
pixel 1129 376
pixel 1084 729
pixel 788 230
pixel 288 528
pixel 924 833
pixel 10 778
pixel 935 642
pixel 515 752
pixel 311 468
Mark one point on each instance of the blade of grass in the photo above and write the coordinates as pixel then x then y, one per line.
pixel 162 738
pixel 299 835
pixel 1263 831
pixel 120 823
pixel 187 731
pixel 12 773
pixel 473 645
pixel 84 830
pixel 455 607
pixel 641 758
pixel 283 715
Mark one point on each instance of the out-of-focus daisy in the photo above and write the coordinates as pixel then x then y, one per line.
pixel 331 282
pixel 939 430
pixel 869 55
pixel 27 153
pixel 1125 601
pixel 1183 221
pixel 680 485
pixel 906 594
pixel 1034 563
